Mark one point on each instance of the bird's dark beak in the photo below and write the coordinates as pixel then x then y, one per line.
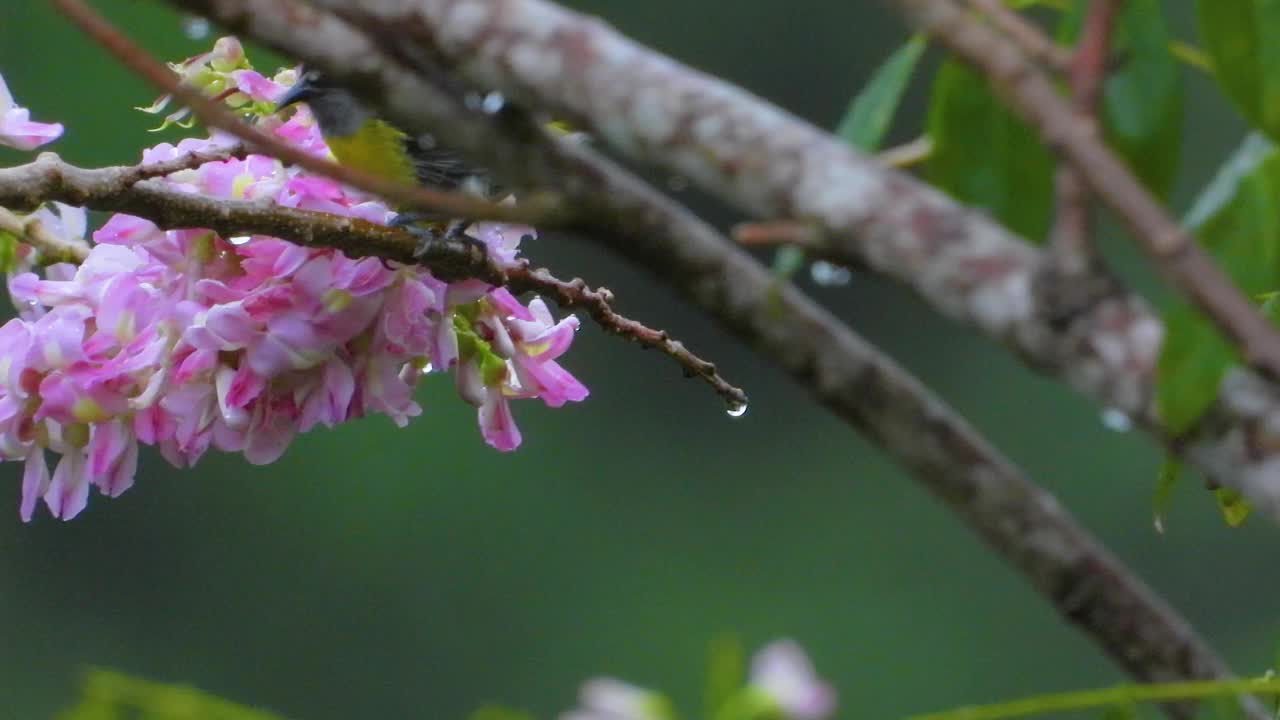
pixel 300 92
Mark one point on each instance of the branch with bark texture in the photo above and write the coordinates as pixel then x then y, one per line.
pixel 1093 333
pixel 1020 521
pixel 134 190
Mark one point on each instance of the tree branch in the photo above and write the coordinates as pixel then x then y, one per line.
pixel 1019 520
pixel 1093 334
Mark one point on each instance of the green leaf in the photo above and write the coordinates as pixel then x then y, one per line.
pixel 984 156
pixel 726 672
pixel 1239 36
pixel 1143 100
pixel 871 112
pixel 1166 483
pixel 1193 360
pixel 1235 509
pixel 110 695
pixel 1237 219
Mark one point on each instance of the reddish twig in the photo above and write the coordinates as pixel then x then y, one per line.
pixel 1173 251
pixel 1073 226
pixel 598 304
pixel 216 115
pixel 779 232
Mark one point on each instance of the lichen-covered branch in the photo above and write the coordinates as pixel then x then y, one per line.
pixel 1092 333
pixel 1020 521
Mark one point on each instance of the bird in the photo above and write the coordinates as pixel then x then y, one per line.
pixel 361 140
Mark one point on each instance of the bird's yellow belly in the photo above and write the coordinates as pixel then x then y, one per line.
pixel 378 149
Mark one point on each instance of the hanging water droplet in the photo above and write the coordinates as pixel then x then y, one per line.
pixel 195 27
pixel 492 103
pixel 677 183
pixel 829 275
pixel 737 410
pixel 426 369
pixel 1116 420
pixel 239 239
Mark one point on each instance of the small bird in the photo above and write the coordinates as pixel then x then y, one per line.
pixel 361 140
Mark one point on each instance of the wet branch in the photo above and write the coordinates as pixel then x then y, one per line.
pixel 134 190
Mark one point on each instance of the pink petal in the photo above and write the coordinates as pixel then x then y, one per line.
pixel 497 425
pixel 35 482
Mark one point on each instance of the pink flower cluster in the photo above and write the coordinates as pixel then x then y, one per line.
pixel 187 340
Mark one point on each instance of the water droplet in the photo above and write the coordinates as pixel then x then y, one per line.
pixel 677 183
pixel 195 27
pixel 492 103
pixel 829 275
pixel 426 369
pixel 239 239
pixel 737 410
pixel 1116 420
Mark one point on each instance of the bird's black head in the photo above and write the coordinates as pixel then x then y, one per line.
pixel 337 110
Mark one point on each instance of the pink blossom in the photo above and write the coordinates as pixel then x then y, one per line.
pixel 187 341
pixel 16 127
pixel 606 698
pixel 784 672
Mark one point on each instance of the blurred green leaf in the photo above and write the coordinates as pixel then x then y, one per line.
pixel 109 695
pixel 1166 483
pixel 983 155
pixel 1237 219
pixel 1235 509
pixel 1193 360
pixel 726 672
pixel 749 704
pixel 871 112
pixel 1239 35
pixel 1143 100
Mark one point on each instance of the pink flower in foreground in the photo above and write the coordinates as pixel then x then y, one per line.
pixel 783 671
pixel 187 340
pixel 16 128
pixel 605 698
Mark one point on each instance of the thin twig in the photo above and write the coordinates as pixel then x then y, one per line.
pixel 133 190
pixel 598 304
pixel 533 210
pixel 1072 232
pixel 1033 41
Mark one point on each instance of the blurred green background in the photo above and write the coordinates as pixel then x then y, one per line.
pixel 376 572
